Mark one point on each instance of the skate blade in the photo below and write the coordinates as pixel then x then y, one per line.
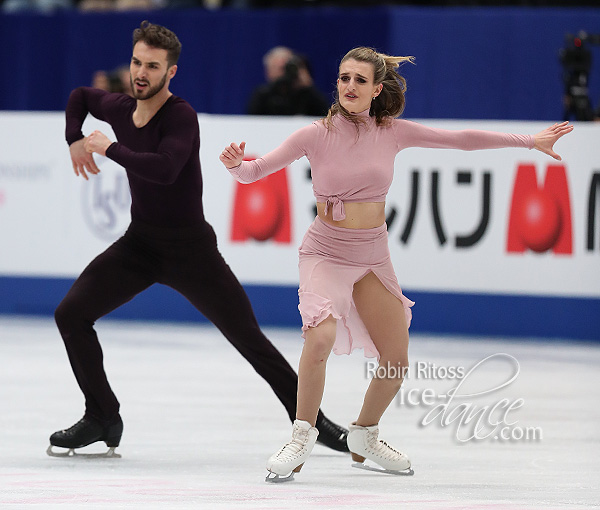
pixel 406 472
pixel 275 478
pixel 70 452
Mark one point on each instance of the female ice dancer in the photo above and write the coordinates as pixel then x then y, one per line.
pixel 349 294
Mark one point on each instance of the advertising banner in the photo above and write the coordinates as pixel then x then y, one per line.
pixel 495 221
pixel 499 222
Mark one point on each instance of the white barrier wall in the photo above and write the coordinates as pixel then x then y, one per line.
pixel 53 223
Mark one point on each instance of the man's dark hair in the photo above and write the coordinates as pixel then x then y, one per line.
pixel 159 37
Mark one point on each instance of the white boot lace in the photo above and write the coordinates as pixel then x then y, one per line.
pixel 292 449
pixel 380 447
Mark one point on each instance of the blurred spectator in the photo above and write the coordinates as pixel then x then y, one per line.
pixel 119 5
pixel 289 89
pixel 117 80
pixel 44 6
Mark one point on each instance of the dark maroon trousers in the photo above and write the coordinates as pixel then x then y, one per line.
pixel 187 260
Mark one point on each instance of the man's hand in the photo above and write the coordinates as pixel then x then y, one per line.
pixel 82 160
pixel 97 142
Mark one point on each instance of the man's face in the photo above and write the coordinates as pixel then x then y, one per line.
pixel 149 71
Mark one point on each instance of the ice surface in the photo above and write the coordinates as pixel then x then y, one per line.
pixel 200 424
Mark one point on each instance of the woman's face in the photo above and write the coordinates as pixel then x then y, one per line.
pixel 355 85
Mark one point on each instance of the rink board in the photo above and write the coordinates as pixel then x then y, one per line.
pixel 444 313
pixel 449 222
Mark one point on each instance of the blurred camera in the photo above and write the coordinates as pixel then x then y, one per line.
pixel 292 67
pixel 576 60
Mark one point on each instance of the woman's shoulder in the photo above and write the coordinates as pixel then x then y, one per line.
pixel 310 131
pixel 401 123
pixel 403 126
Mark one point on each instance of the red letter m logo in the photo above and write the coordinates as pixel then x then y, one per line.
pixel 540 217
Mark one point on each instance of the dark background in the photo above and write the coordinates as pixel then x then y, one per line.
pixel 471 62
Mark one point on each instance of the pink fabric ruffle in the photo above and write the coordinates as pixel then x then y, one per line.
pixel 314 309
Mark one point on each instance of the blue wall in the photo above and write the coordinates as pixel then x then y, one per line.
pixel 434 312
pixel 496 63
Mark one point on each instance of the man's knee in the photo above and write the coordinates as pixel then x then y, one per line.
pixel 66 315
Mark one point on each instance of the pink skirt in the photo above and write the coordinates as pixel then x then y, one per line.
pixel 331 260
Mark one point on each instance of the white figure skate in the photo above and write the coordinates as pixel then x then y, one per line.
pixel 364 444
pixel 290 459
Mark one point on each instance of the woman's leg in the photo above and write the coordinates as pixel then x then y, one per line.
pixel 311 370
pixel 311 381
pixel 385 320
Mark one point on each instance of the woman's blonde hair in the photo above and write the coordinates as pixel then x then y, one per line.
pixel 389 104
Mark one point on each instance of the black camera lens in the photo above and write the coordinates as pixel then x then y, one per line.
pixel 291 69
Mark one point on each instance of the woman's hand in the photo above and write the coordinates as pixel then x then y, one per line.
pixel 545 140
pixel 233 155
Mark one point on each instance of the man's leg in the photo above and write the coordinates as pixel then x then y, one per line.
pixel 109 281
pixel 208 283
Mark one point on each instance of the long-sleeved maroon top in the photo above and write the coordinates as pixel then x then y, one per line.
pixel 161 159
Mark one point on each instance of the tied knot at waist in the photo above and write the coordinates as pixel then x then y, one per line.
pixel 338 210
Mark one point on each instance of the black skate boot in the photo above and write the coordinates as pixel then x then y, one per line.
pixel 331 435
pixel 87 431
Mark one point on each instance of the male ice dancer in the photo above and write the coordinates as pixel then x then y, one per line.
pixel 168 240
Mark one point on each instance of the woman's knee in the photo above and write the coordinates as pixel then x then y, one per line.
pixel 393 368
pixel 319 340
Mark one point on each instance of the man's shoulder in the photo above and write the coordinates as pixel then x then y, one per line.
pixel 180 104
pixel 180 108
pixel 113 98
pixel 115 103
pixel 178 114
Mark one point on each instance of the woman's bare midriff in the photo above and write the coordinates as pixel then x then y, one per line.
pixel 358 215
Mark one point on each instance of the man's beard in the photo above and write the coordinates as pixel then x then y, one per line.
pixel 150 92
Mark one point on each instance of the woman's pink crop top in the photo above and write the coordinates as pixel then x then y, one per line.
pixel 347 166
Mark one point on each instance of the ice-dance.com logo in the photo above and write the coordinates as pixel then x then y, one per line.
pixel 476 414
